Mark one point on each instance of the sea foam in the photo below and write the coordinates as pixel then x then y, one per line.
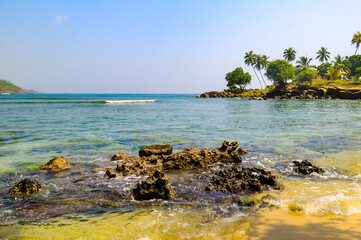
pixel 128 101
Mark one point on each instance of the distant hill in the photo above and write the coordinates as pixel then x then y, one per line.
pixel 8 87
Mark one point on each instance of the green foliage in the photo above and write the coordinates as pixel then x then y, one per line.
pixel 6 86
pixel 279 71
pixel 323 68
pixel 307 76
pixel 238 77
pixel 304 63
pixel 355 63
pixel 323 54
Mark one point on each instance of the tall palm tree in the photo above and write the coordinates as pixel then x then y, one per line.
pixel 323 55
pixel 289 54
pixel 339 66
pixel 258 64
pixel 304 63
pixel 356 39
pixel 249 60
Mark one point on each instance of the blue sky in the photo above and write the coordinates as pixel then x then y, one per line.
pixel 160 46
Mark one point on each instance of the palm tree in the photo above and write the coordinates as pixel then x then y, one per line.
pixel 340 66
pixel 249 60
pixel 323 54
pixel 289 54
pixel 259 65
pixel 356 39
pixel 304 63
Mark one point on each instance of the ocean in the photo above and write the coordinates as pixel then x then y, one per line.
pixel 88 129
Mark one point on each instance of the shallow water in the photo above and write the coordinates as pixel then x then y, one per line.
pixel 87 130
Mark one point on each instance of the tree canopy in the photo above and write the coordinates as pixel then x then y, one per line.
pixel 280 71
pixel 307 76
pixel 356 39
pixel 289 54
pixel 238 78
pixel 323 68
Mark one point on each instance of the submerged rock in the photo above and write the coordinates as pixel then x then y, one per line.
pixel 192 158
pixel 305 167
pixel 237 180
pixel 122 156
pixel 56 164
pixel 26 186
pixel 157 150
pixel 153 187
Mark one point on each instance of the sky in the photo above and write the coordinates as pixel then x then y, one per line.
pixel 154 46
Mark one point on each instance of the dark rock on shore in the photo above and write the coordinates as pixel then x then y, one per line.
pixel 110 174
pixel 305 167
pixel 26 186
pixel 193 158
pixel 56 164
pixel 313 92
pixel 122 156
pixel 157 150
pixel 237 180
pixel 153 187
pixel 139 167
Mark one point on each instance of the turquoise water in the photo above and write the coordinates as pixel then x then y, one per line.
pixel 84 127
pixel 88 129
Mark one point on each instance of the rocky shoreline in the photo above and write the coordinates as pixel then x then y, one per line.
pixel 213 176
pixel 296 92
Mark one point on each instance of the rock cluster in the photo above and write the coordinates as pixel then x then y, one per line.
pixel 156 150
pixel 26 186
pixel 122 156
pixel 305 167
pixel 313 92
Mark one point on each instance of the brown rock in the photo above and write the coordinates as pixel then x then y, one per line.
pixel 122 156
pixel 157 150
pixel 110 174
pixel 305 167
pixel 153 187
pixel 56 164
pixel 26 186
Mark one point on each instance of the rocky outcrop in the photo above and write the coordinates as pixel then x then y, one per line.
pixel 238 180
pixel 156 150
pixel 313 92
pixel 26 186
pixel 305 167
pixel 153 187
pixel 138 167
pixel 56 164
pixel 232 93
pixel 193 158
pixel 122 156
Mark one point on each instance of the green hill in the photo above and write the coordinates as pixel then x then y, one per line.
pixel 8 87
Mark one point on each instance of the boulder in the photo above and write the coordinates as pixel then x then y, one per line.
pixel 26 186
pixel 56 164
pixel 241 151
pixel 237 180
pixel 153 187
pixel 121 156
pixel 138 167
pixel 157 150
pixel 305 167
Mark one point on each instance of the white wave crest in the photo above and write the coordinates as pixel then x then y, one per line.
pixel 128 101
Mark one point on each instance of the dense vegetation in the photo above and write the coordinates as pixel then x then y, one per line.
pixel 6 86
pixel 343 70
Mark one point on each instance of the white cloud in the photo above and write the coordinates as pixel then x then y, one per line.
pixel 60 19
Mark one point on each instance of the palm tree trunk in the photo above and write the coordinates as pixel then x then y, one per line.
pixel 356 51
pixel 257 77
pixel 262 79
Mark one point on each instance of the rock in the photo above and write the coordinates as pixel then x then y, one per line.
pixel 237 180
pixel 26 186
pixel 138 167
pixel 122 156
pixel 110 174
pixel 192 158
pixel 56 164
pixel 157 150
pixel 305 167
pixel 153 187
pixel 242 151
